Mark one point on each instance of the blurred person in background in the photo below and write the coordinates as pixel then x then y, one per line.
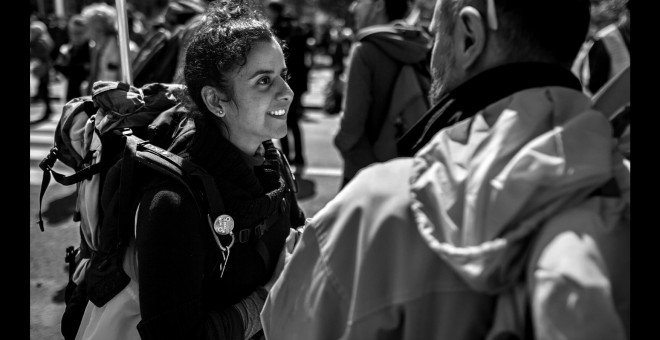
pixel 372 70
pixel 162 55
pixel 137 30
pixel 57 28
pixel 288 30
pixel 41 46
pixel 73 60
pixel 340 38
pixel 185 17
pixel 421 13
pixel 101 20
pixel 606 52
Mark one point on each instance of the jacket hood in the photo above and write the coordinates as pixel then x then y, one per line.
pixel 483 186
pixel 404 43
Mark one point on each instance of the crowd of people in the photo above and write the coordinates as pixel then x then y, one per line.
pixel 504 215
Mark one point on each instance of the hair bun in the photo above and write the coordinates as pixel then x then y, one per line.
pixel 232 9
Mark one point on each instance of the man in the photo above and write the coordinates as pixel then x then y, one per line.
pixel 372 71
pixel 501 225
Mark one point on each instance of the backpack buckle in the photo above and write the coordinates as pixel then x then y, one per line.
pixel 244 235
pixel 47 163
pixel 259 229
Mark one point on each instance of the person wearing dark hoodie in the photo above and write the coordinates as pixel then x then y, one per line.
pixel 372 69
pixel 508 217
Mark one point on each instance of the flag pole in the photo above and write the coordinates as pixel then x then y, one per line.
pixel 122 25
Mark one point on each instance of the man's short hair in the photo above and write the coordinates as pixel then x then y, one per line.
pixel 551 31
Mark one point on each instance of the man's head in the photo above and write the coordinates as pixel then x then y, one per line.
pixel 77 29
pixel 472 36
pixel 101 20
pixel 377 12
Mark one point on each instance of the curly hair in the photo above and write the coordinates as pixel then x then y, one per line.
pixel 229 30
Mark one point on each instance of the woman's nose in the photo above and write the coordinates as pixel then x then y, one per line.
pixel 285 91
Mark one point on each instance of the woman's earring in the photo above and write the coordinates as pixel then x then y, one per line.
pixel 221 112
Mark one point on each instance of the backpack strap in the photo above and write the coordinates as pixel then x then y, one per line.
pixel 126 187
pixel 196 180
pixel 614 95
pixel 288 175
pixel 185 172
pixel 46 166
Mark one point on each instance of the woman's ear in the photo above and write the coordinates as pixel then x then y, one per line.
pixel 471 35
pixel 211 98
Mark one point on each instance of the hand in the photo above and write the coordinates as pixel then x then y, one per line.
pixel 284 258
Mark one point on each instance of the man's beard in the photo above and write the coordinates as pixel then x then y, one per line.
pixel 437 88
pixel 441 75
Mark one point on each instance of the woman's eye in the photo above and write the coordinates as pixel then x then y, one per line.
pixel 285 76
pixel 264 81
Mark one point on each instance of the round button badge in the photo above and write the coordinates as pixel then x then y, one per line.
pixel 223 225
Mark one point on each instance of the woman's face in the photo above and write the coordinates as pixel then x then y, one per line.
pixel 261 98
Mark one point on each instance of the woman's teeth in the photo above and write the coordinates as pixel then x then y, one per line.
pixel 277 113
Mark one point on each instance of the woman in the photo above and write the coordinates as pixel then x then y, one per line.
pixel 235 75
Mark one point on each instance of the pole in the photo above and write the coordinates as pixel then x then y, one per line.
pixel 122 23
pixel 59 8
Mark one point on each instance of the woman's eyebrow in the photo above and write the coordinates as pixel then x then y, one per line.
pixel 268 72
pixel 260 72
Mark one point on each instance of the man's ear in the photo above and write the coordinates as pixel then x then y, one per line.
pixel 471 36
pixel 212 99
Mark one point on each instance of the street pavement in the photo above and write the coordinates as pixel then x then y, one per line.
pixel 318 183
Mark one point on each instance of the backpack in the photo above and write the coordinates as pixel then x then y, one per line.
pixel 126 128
pixel 408 101
pixel 408 104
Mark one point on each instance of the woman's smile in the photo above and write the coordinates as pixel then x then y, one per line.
pixel 279 114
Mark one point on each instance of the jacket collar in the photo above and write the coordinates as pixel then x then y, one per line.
pixel 477 93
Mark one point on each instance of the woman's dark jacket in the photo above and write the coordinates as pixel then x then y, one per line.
pixel 181 292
